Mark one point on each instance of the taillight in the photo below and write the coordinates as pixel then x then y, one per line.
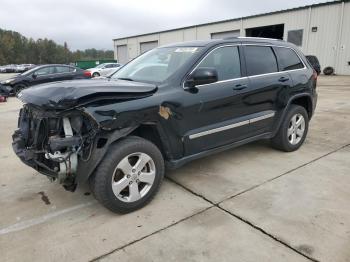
pixel 87 73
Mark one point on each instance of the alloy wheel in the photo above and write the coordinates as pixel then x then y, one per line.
pixel 296 129
pixel 133 177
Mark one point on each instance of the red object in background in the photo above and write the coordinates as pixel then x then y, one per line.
pixel 87 73
pixel 3 99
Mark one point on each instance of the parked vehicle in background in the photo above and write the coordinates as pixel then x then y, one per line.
pixel 108 75
pixel 44 74
pixel 26 67
pixel 19 69
pixel 16 68
pixel 103 69
pixel 313 60
pixel 9 69
pixel 169 106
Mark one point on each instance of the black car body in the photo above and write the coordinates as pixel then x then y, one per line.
pixel 44 74
pixel 220 94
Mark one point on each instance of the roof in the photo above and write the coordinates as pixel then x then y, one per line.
pixel 239 18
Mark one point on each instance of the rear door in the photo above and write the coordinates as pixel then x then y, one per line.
pixel 107 69
pixel 63 73
pixel 289 60
pixel 267 87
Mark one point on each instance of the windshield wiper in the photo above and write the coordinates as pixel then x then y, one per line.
pixel 125 78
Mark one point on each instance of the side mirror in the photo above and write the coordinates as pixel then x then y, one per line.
pixel 34 75
pixel 202 76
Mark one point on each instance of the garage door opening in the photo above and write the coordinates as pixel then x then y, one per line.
pixel 146 46
pixel 271 31
pixel 122 54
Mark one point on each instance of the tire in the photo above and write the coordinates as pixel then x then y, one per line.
pixel 328 70
pixel 18 88
pixel 95 74
pixel 119 167
pixel 290 137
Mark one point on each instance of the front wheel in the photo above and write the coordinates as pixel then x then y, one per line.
pixel 95 74
pixel 293 130
pixel 18 88
pixel 129 176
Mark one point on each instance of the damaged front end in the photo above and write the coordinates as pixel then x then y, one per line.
pixel 53 142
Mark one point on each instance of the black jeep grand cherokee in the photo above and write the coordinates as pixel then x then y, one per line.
pixel 168 106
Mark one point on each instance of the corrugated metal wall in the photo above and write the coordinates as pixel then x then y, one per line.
pixel 331 42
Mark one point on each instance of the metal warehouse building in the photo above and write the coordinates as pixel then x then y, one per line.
pixel 321 29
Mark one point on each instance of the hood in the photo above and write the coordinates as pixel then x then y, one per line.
pixel 69 94
pixel 9 81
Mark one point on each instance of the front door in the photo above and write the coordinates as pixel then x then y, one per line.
pixel 44 75
pixel 212 114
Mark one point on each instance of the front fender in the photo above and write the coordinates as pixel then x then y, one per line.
pixel 99 149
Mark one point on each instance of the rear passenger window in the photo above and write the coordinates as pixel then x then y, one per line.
pixel 226 62
pixel 288 59
pixel 260 60
pixel 62 69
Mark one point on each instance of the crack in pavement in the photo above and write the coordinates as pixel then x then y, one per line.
pixel 148 235
pixel 286 173
pixel 244 220
pixel 268 234
pixel 213 204
pixel 256 186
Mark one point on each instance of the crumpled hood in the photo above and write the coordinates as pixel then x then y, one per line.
pixel 68 94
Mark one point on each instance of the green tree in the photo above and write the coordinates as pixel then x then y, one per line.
pixel 17 49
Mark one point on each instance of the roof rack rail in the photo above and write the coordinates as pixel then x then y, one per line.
pixel 263 38
pixel 249 37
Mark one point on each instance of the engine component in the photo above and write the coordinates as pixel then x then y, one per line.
pixel 59 143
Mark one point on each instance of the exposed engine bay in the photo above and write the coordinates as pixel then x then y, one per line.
pixel 54 142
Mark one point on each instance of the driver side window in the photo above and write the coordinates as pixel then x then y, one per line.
pixel 226 62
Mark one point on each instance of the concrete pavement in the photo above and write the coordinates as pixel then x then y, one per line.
pixel 252 203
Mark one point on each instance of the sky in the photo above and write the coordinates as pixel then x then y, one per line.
pixel 94 23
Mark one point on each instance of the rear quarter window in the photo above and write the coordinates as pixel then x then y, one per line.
pixel 260 60
pixel 288 59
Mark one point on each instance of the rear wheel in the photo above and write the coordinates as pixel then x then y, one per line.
pixel 129 176
pixel 293 130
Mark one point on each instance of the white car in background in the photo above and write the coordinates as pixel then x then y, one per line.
pixel 103 69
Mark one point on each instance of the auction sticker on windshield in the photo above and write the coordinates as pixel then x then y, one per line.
pixel 186 49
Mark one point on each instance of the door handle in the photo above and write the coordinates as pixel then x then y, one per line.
pixel 239 87
pixel 283 79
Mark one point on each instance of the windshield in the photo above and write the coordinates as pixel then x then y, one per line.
pixel 30 71
pixel 156 65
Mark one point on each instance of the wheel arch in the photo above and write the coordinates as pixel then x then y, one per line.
pixel 148 131
pixel 154 133
pixel 304 100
